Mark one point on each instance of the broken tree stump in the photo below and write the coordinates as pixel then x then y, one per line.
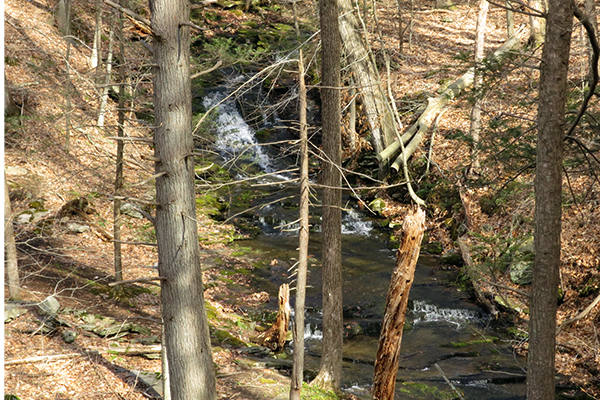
pixel 388 352
pixel 274 337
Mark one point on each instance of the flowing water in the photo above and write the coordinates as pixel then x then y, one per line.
pixel 442 327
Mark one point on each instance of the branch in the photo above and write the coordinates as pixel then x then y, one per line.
pixel 141 280
pixel 211 69
pixel 594 64
pixel 579 316
pixel 128 351
pixel 130 13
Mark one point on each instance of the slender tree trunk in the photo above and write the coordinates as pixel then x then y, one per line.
pixel 537 24
pixel 67 31
pixel 187 337
pixel 388 352
pixel 10 248
pixel 119 162
pixel 104 96
pixel 97 46
pixel 548 188
pixel 298 367
pixel 330 372
pixel 590 10
pixel 510 22
pixel 475 127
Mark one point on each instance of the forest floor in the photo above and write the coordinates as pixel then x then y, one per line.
pixel 65 248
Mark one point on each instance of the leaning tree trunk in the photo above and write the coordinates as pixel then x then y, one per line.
pixel 548 207
pixel 388 352
pixel 379 116
pixel 415 134
pixel 187 337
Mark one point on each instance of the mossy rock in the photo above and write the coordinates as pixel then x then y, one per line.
pixel 433 248
pixel 227 339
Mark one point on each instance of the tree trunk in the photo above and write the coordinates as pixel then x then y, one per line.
pixel 119 162
pixel 475 127
pixel 590 11
pixel 10 108
pixel 510 21
pixel 381 121
pixel 537 25
pixel 95 57
pixel 548 188
pixel 187 337
pixel 107 80
pixel 330 372
pixel 10 248
pixel 388 352
pixel 274 338
pixel 298 330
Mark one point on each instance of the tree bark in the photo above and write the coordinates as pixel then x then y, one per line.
pixel 475 127
pixel 10 248
pixel 537 24
pixel 390 339
pixel 187 337
pixel 10 108
pixel 330 372
pixel 119 162
pixel 298 330
pixel 381 121
pixel 548 188
pixel 274 338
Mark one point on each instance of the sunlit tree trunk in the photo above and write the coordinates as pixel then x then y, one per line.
pixel 537 25
pixel 475 127
pixel 330 372
pixel 10 249
pixel 186 334
pixel 548 188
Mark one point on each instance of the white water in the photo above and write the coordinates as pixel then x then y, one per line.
pixel 312 333
pixel 235 137
pixel 352 224
pixel 426 312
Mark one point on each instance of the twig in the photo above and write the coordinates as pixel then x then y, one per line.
pixel 141 280
pixel 135 243
pixel 448 381
pixel 211 69
pixel 522 293
pixel 594 64
pixel 128 351
pixel 579 316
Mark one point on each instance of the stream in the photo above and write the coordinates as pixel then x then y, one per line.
pixel 443 326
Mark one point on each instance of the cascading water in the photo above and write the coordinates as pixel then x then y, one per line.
pixel 235 138
pixel 443 327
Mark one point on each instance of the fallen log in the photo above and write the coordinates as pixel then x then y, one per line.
pixel 414 135
pixel 388 352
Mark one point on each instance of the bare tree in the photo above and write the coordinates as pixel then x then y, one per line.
pixel 120 150
pixel 186 333
pixel 330 372
pixel 475 127
pixel 548 190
